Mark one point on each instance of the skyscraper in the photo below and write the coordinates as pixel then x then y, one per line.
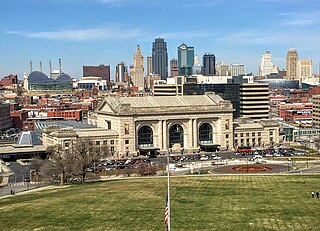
pixel 238 69
pixel 266 65
pixel 174 67
pixel 149 65
pixel 185 59
pixel 222 69
pixel 138 70
pixel 160 58
pixel 209 64
pixel 304 69
pixel 291 64
pixel 121 69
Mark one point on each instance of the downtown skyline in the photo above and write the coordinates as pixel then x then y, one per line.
pixel 95 32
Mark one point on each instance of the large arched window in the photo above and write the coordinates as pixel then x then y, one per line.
pixel 176 135
pixel 205 133
pixel 145 136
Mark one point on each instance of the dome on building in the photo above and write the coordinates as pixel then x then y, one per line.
pixel 64 78
pixel 38 77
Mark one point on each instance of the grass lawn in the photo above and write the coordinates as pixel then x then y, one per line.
pixel 228 202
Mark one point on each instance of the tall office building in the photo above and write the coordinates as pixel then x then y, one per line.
pixel 254 100
pixel 160 58
pixel 196 69
pixel 304 69
pixel 138 70
pixel 266 65
pixel 291 64
pixel 185 59
pixel 121 69
pixel 149 65
pixel 209 64
pixel 222 69
pixel 174 71
pixel 238 69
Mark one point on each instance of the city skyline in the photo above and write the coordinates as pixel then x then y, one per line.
pixel 107 31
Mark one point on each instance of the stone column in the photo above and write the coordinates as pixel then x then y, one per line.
pixel 190 133
pixel 160 135
pixel 164 134
pixel 195 133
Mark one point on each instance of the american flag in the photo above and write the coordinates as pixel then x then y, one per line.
pixel 166 212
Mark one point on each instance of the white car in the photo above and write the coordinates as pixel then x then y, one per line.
pixel 204 158
pixel 8 163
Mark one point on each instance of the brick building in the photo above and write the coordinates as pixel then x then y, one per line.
pixel 18 117
pixel 67 114
pixel 97 71
pixel 8 80
pixel 5 120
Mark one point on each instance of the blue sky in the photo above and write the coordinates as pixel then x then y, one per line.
pixel 93 32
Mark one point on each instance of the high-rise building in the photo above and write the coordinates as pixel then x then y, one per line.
pixel 149 65
pixel 254 100
pixel 237 69
pixel 185 59
pixel 222 69
pixel 138 70
pixel 291 64
pixel 209 64
pixel 304 69
pixel 196 69
pixel 121 69
pixel 266 65
pixel 160 58
pixel 174 71
pixel 101 71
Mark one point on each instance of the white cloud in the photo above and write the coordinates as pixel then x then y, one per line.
pixel 110 32
pixel 300 19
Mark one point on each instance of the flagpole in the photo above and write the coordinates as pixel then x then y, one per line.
pixel 169 210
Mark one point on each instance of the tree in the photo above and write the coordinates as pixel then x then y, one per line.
pixel 84 155
pixel 61 162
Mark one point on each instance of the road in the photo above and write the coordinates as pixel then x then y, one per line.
pixel 20 172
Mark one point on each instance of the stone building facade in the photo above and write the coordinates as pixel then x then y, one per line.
pixel 176 123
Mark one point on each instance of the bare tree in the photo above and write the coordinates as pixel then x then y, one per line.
pixel 61 161
pixel 84 154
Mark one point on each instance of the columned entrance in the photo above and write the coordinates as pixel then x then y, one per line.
pixel 175 135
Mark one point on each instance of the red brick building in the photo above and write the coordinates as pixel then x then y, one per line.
pixel 97 71
pixel 8 80
pixel 18 117
pixel 67 114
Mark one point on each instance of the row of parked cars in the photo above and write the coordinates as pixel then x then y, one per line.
pixel 117 164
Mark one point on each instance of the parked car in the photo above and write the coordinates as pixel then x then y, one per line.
pixel 203 158
pixel 8 163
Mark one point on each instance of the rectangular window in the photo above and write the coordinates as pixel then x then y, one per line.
pixel 241 134
pixel 111 141
pixel 126 142
pixel 235 135
pixel 247 134
pixel 253 133
pixel 259 133
pixel 248 141
pixel 271 132
pixel 97 142
pixel 227 136
pixel 105 142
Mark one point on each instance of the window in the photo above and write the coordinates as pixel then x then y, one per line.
pixel 145 136
pixel 259 133
pixel 271 132
pixel 111 141
pixel 235 135
pixel 205 133
pixel 108 124
pixel 90 143
pixel 126 142
pixel 253 133
pixel 105 142
pixel 247 134
pixel 227 136
pixel 241 134
pixel 271 139
pixel 97 142
pixel 248 141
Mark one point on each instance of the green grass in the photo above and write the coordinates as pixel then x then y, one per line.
pixel 229 202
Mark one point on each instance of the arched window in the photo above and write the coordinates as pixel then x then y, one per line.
pixel 176 135
pixel 145 136
pixel 205 133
